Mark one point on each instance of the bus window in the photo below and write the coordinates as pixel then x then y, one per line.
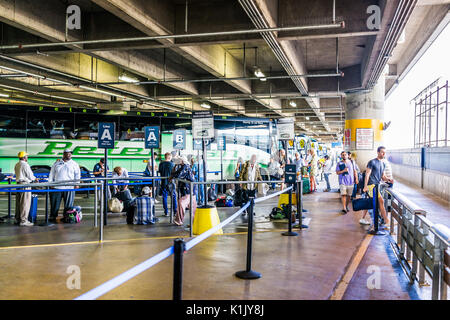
pixel 51 125
pixel 86 125
pixel 12 124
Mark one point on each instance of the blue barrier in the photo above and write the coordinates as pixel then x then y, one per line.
pixel 45 191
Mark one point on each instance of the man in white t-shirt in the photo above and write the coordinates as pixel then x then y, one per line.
pixel 63 170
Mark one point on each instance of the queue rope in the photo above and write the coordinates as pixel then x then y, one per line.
pixel 147 264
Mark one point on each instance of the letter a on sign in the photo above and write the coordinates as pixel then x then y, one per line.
pixel 106 133
pixel 151 137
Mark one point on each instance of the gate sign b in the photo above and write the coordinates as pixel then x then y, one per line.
pixel 151 137
pixel 106 134
pixel 179 139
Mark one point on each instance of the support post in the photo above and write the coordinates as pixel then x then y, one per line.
pixel 178 251
pixel 289 232
pixel 46 223
pixel 376 215
pixel 102 213
pixel 205 191
pixel 95 204
pixel 153 173
pixel 248 273
pixel 105 192
pixel 9 201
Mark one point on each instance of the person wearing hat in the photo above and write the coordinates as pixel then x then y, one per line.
pixel 63 170
pixel 184 172
pixel 24 175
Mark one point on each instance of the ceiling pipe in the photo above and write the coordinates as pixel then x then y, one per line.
pixel 319 75
pixel 174 36
pixel 13 75
pixel 87 82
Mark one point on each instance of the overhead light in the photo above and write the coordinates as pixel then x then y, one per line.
pixel 128 79
pixel 260 74
pixel 205 105
pixel 4 95
pixel 102 91
pixel 314 126
pixel 293 104
pixel 307 118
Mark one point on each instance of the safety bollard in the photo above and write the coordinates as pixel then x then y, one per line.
pixel 248 273
pixel 289 233
pixel 9 201
pixel 102 213
pixel 178 250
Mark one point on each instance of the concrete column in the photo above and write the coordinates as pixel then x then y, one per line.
pixel 365 111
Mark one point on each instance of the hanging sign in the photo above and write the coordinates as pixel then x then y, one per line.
pixel 106 134
pixel 179 139
pixel 203 125
pixel 285 129
pixel 151 137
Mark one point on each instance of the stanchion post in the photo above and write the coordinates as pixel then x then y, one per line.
pixel 375 208
pixel 248 273
pixel 9 201
pixel 289 232
pixel 95 204
pixel 191 214
pixel 171 191
pixel 178 251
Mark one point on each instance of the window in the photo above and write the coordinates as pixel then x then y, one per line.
pixel 12 123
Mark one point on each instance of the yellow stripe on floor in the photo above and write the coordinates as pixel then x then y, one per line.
pixel 339 292
pixel 125 240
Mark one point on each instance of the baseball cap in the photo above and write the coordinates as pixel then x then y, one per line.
pixel 146 190
pixel 22 154
pixel 68 151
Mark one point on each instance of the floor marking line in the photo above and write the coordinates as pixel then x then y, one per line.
pixel 341 288
pixel 125 240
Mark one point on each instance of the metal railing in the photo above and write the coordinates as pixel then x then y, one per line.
pixel 420 245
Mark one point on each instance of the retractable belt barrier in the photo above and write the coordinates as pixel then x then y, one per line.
pixel 178 250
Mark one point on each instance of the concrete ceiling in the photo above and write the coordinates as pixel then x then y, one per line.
pixel 171 62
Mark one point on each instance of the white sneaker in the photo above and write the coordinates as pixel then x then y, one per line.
pixel 363 221
pixel 156 201
pixel 26 224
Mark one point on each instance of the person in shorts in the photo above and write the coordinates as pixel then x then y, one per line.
pixel 347 178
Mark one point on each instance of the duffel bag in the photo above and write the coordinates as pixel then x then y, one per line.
pixel 362 204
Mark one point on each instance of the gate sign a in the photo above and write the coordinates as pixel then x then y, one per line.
pixel 179 139
pixel 106 134
pixel 151 137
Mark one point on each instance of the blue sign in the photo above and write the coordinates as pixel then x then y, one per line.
pixel 151 137
pixel 198 144
pixel 336 144
pixel 179 139
pixel 222 143
pixel 106 134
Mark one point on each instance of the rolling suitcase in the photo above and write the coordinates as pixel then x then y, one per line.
pixel 33 208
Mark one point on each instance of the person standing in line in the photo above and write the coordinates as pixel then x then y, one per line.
pixel 327 171
pixel 237 172
pixel 153 172
pixel 358 173
pixel 347 177
pixel 313 166
pixel 250 172
pixel 184 172
pixel 374 175
pixel 299 163
pixel 63 170
pixel 99 172
pixel 274 171
pixel 24 175
pixel 165 170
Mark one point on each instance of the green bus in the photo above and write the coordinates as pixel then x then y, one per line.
pixel 44 132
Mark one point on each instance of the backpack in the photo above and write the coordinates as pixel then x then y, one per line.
pixel 73 215
pixel 276 214
pixel 221 202
pixel 240 197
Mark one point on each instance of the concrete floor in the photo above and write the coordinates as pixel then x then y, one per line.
pixel 34 260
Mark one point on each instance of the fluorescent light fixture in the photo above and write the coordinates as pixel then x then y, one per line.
pixel 102 91
pixel 128 79
pixel 260 74
pixel 314 126
pixel 293 104
pixel 307 118
pixel 205 105
pixel 4 95
pixel 183 124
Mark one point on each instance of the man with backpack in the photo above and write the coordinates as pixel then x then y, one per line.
pixel 165 170
pixel 347 178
